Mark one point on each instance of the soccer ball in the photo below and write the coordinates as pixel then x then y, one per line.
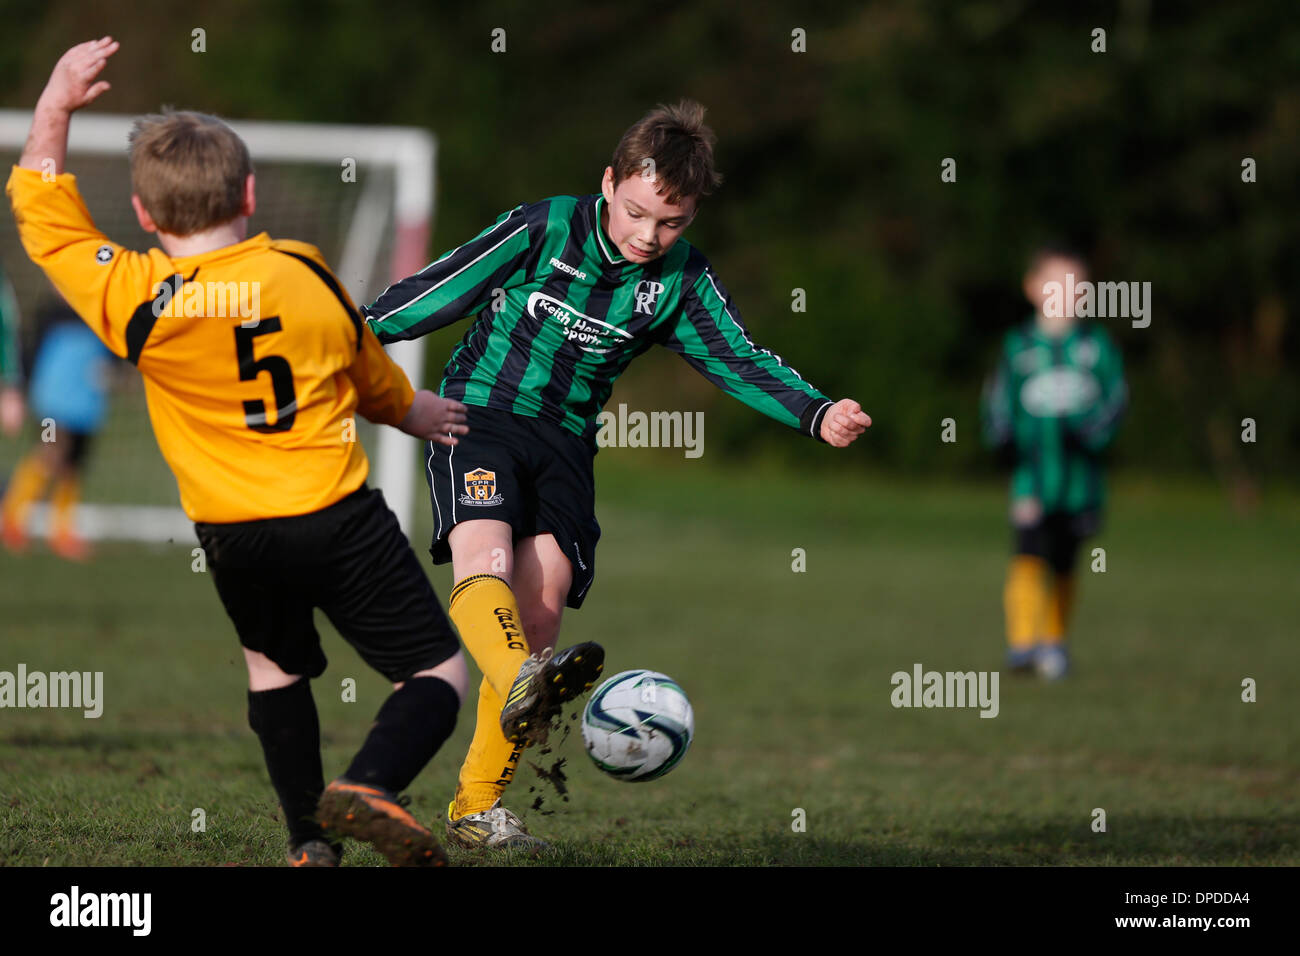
pixel 637 725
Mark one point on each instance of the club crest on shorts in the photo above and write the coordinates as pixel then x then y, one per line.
pixel 481 488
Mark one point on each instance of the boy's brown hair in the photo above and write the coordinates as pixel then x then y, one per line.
pixel 188 169
pixel 680 144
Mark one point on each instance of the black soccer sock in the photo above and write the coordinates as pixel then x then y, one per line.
pixel 409 728
pixel 285 722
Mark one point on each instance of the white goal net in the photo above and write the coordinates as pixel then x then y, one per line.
pixel 362 195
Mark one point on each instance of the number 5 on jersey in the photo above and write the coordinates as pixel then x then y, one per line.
pixel 286 401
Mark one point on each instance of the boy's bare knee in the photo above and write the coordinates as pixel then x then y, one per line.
pixel 482 547
pixel 453 670
pixel 265 674
pixel 541 625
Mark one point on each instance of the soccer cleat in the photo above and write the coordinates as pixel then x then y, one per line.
pixel 378 817
pixel 69 547
pixel 13 535
pixel 545 683
pixel 1020 660
pixel 1052 662
pixel 313 853
pixel 494 828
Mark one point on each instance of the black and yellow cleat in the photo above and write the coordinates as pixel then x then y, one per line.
pixel 546 682
pixel 313 853
pixel 380 818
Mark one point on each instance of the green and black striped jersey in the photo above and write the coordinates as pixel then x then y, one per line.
pixel 561 313
pixel 1057 404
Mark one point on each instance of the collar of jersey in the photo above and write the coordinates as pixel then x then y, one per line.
pixel 1039 335
pixel 607 247
pixel 259 241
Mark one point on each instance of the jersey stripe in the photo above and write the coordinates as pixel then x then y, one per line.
pixel 325 276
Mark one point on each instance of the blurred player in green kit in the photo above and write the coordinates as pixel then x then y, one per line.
pixel 1052 407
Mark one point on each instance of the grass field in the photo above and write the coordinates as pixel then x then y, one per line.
pixel 789 674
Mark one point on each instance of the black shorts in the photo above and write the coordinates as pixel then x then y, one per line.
pixel 1057 536
pixel 353 562
pixel 535 476
pixel 75 446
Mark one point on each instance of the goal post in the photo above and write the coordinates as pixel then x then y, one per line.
pixel 363 195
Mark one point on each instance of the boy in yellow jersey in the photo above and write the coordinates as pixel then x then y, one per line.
pixel 255 363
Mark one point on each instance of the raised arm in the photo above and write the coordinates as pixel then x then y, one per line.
pixel 103 282
pixel 72 85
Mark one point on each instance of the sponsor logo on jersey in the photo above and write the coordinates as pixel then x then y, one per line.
pixel 104 254
pixel 565 267
pixel 1059 391
pixel 590 335
pixel 481 488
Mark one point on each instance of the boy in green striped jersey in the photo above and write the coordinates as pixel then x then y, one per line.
pixel 1053 406
pixel 566 292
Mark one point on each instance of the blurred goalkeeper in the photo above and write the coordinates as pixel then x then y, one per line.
pixel 1052 407
pixel 69 396
pixel 253 409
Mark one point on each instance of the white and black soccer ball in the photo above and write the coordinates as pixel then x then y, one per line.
pixel 638 725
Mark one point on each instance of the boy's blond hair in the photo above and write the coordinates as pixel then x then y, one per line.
pixel 188 169
pixel 680 144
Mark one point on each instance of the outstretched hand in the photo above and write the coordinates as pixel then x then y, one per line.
pixel 844 422
pixel 435 418
pixel 72 85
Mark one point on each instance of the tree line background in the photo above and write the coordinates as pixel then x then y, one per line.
pixel 832 163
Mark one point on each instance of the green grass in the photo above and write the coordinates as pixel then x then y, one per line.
pixel 789 674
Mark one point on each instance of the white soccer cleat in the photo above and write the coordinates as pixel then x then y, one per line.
pixel 494 828
pixel 1052 662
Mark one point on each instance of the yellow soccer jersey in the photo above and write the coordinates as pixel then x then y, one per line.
pixel 255 361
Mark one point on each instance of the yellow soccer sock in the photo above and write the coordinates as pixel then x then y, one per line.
pixel 491 762
pixel 67 492
pixel 485 612
pixel 26 485
pixel 1058 609
pixel 1025 600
